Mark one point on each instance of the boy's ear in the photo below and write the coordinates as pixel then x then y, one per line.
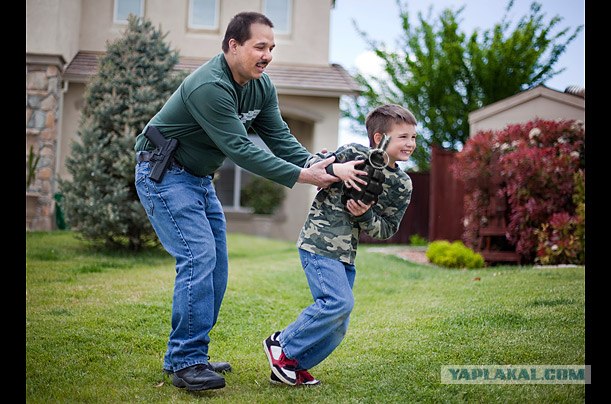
pixel 377 138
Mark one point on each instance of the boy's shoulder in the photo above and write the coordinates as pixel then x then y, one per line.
pixel 350 150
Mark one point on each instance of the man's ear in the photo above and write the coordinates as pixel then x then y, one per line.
pixel 233 45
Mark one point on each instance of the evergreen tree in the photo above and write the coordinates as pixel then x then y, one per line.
pixel 134 78
pixel 441 74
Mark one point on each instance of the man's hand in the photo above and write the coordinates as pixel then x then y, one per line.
pixel 317 174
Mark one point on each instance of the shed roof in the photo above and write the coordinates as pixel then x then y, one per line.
pixel 573 96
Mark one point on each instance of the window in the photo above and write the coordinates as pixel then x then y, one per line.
pixel 203 14
pixel 123 8
pixel 279 11
pixel 231 179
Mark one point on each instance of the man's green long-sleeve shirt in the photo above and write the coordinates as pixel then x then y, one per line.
pixel 210 115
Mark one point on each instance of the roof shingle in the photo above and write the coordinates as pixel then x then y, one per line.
pixel 331 80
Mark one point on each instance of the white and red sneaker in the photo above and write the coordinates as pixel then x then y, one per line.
pixel 284 368
pixel 304 378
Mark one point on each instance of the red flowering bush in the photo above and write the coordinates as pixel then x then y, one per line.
pixel 562 240
pixel 532 166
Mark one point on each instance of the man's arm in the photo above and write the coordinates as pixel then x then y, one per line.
pixel 317 174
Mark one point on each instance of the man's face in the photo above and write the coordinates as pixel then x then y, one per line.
pixel 254 55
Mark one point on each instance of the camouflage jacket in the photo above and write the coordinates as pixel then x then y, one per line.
pixel 331 231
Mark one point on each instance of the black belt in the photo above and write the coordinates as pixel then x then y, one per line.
pixel 147 156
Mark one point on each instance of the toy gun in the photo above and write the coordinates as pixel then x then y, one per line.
pixel 162 155
pixel 374 164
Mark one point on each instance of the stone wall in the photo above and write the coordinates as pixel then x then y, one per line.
pixel 43 100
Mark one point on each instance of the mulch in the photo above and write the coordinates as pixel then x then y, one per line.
pixel 412 254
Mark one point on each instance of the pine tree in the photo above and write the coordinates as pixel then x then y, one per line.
pixel 134 78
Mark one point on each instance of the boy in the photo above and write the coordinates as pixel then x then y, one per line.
pixel 327 247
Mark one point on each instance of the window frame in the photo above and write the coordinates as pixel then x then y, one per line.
pixel 240 178
pixel 289 18
pixel 115 18
pixel 191 26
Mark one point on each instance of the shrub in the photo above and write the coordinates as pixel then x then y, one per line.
pixel 534 164
pixel 562 240
pixel 262 195
pixel 453 255
pixel 417 240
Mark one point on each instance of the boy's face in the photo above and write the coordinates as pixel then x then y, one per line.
pixel 402 142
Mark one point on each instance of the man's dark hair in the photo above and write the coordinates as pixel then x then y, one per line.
pixel 239 27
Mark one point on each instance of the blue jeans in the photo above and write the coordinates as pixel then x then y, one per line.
pixel 189 221
pixel 320 327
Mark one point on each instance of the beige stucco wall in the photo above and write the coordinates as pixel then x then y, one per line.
pixel 320 116
pixel 539 102
pixel 72 106
pixel 307 44
pixel 52 27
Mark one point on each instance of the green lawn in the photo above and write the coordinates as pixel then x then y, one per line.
pixel 97 325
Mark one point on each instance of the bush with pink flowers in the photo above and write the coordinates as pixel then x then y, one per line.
pixel 538 168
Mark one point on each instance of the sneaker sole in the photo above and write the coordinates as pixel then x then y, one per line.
pixel 277 382
pixel 281 383
pixel 181 384
pixel 271 364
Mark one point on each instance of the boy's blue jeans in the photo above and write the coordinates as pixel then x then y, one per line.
pixel 320 327
pixel 189 221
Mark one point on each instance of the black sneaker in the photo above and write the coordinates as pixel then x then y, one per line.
pixel 198 377
pixel 284 368
pixel 218 367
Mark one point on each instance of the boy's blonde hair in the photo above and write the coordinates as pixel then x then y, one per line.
pixel 382 118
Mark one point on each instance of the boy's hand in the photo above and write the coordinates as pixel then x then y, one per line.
pixel 349 174
pixel 357 208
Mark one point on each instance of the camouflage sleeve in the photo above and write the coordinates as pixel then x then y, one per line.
pixel 387 213
pixel 343 153
pixel 314 158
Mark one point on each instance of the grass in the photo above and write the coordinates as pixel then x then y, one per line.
pixel 97 325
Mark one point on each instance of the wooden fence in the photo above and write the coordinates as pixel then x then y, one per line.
pixel 436 209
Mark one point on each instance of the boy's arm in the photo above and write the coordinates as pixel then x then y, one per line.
pixel 383 222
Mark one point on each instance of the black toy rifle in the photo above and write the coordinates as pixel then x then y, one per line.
pixel 374 165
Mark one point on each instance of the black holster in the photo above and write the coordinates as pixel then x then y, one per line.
pixel 162 155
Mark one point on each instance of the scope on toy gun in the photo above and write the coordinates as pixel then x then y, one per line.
pixel 376 162
pixel 378 157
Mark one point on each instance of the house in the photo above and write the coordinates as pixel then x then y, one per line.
pixel 538 102
pixel 64 39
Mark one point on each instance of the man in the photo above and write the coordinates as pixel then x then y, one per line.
pixel 209 115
